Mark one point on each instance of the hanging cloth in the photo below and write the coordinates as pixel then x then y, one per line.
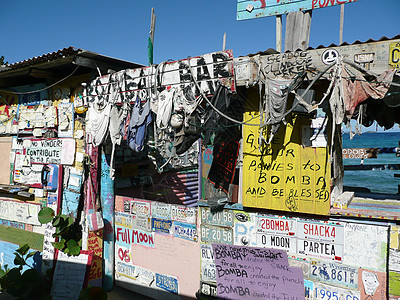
pixel 277 102
pixel 140 118
pixel 356 89
pixel 98 119
pixel 117 116
pixel 164 110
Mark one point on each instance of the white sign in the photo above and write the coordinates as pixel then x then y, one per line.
pixel 275 241
pixel 52 151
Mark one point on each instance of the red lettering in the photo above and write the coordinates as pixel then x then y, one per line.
pixel 118 233
pixel 314 3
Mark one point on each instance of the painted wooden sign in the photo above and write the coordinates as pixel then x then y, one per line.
pixel 284 175
pixel 292 63
pixel 251 9
pixel 394 56
pixel 51 151
pixel 207 70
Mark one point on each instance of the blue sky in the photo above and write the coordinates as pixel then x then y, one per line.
pixel 184 28
pixel 120 28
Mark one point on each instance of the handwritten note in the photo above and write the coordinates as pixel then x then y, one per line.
pixel 256 273
pixel 69 275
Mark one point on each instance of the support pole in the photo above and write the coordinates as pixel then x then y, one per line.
pixel 224 42
pixel 279 33
pixel 341 23
pixel 151 38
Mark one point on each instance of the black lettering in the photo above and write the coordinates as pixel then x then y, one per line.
pixel 220 63
pixel 305 179
pixel 290 178
pixel 274 179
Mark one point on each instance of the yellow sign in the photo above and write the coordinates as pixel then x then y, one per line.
pixel 394 55
pixel 284 175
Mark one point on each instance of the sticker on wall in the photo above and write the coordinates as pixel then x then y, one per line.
pixel 372 284
pixel 394 260
pixel 244 229
pixel 66 120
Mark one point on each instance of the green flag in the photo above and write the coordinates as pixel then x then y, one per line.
pixel 150 52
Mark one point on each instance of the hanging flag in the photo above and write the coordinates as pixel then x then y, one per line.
pixel 150 51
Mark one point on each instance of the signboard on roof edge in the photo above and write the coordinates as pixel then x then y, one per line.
pixel 205 71
pixel 252 9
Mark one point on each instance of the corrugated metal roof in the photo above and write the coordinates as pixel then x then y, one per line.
pixel 384 38
pixel 45 57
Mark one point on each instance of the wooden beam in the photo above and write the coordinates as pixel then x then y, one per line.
pixel 297 34
pixel 91 63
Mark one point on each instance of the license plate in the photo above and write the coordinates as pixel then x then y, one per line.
pixel 185 231
pixel 276 241
pixel 335 274
pixel 216 234
pixel 223 218
pixel 208 272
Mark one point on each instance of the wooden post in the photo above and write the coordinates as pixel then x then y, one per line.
pixel 341 23
pixel 279 33
pixel 151 42
pixel 297 34
pixel 224 42
pixel 152 25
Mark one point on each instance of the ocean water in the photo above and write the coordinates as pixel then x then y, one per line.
pixel 378 181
